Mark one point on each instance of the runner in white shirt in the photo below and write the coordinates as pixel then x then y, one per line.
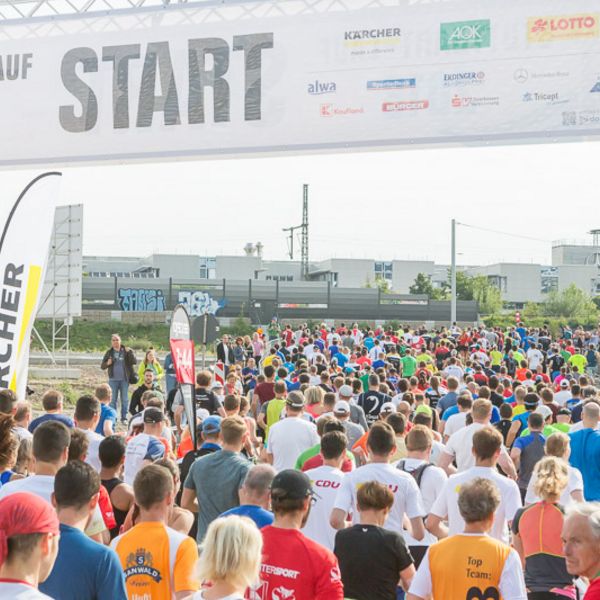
pixel 471 564
pixel 291 436
pixel 87 416
pixel 458 420
pixel 381 445
pixel 564 394
pixel 460 444
pixel 429 478
pixel 326 481
pixel 487 444
pixel 535 357
pixel 558 445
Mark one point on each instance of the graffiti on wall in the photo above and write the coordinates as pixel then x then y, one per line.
pixel 141 300
pixel 200 303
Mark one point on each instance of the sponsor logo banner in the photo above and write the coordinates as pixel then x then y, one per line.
pixel 547 98
pixel 24 241
pixel 523 75
pixel 333 110
pixel 318 88
pixel 474 101
pixel 392 84
pixel 563 27
pixel 405 105
pixel 463 78
pixel 462 35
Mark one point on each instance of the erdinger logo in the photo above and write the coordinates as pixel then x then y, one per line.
pixel 563 27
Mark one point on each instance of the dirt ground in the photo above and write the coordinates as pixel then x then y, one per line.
pixel 71 388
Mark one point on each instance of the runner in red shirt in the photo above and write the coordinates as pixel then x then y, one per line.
pixel 294 566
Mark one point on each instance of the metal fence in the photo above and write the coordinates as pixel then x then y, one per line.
pixel 260 301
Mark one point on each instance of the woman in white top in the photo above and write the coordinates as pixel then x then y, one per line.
pixel 558 445
pixel 229 559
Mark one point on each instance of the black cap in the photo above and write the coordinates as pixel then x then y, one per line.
pixel 291 485
pixel 153 415
pixel 564 411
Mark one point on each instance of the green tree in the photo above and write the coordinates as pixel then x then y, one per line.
pixel 422 285
pixel 571 302
pixel 464 286
pixel 487 295
pixel 383 285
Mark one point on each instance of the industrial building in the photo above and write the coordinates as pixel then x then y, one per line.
pixel 572 262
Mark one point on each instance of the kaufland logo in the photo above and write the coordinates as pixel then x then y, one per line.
pixel 392 84
pixel 405 105
pixel 332 110
pixel 318 88
pixel 563 27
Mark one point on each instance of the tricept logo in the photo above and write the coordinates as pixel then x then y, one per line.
pixel 563 27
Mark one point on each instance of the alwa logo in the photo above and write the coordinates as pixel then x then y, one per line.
pixel 319 88
pixel 465 34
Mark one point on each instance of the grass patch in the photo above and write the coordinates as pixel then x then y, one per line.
pixel 92 336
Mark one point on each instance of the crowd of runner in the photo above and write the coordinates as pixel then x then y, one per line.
pixel 332 463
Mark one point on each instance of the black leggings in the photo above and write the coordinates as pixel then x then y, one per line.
pixel 544 596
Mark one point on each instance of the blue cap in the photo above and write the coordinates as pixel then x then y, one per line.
pixel 211 424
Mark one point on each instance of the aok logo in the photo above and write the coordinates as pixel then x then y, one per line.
pixel 563 27
pixel 465 34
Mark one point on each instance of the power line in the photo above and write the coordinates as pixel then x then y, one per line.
pixel 516 235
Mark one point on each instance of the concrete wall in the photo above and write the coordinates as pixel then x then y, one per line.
pixel 351 272
pixel 178 266
pixel 581 275
pixel 523 281
pixel 573 254
pixel 404 273
pixel 238 267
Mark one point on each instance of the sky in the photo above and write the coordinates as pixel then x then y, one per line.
pixel 380 205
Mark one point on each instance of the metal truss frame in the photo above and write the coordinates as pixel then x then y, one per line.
pixel 25 11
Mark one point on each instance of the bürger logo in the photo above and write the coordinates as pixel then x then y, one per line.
pixel 405 105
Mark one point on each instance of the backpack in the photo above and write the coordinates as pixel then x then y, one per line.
pixel 417 473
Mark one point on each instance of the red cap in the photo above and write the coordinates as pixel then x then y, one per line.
pixel 23 513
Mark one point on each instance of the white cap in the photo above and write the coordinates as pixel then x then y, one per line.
pixel 388 407
pixel 341 407
pixel 564 383
pixel 345 392
pixel 545 411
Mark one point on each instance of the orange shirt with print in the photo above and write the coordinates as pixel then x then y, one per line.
pixel 157 561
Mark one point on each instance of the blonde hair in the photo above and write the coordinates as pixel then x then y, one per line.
pixel 552 477
pixel 314 395
pixel 232 551
pixel 557 444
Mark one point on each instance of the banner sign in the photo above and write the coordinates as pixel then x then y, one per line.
pixel 24 247
pixel 182 353
pixel 198 81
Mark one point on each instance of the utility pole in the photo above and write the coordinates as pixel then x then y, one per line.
pixel 304 236
pixel 453 275
pixel 304 253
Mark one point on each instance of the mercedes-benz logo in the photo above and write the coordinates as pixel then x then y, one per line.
pixel 521 75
